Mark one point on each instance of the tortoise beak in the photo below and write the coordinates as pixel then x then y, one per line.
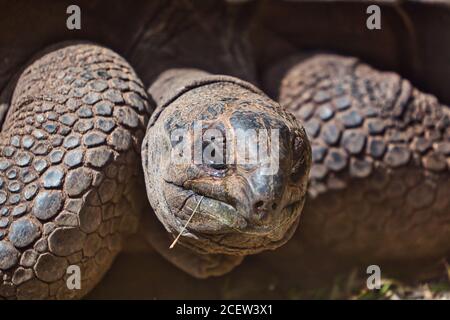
pixel 262 198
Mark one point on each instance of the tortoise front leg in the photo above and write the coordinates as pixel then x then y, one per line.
pixel 381 154
pixel 69 151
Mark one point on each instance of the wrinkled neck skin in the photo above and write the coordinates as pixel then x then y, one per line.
pixel 224 165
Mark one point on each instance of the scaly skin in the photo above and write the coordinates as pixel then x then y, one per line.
pixel 379 181
pixel 69 170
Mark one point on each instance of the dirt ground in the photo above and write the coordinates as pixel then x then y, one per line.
pixel 149 276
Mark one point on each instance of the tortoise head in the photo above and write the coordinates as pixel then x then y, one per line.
pixel 221 153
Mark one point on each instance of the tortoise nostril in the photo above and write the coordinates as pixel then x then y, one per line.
pixel 259 204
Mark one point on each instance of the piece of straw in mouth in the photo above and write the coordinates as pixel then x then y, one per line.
pixel 184 228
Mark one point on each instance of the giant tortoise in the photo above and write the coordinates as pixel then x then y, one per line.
pixel 93 154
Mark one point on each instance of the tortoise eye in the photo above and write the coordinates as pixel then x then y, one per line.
pixel 218 166
pixel 214 153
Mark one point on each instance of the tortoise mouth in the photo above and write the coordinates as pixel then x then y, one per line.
pixel 216 226
pixel 223 217
pixel 242 242
pixel 233 221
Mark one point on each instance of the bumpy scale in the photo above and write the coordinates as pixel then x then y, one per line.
pixel 381 156
pixel 69 158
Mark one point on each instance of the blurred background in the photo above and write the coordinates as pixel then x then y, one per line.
pixel 244 38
